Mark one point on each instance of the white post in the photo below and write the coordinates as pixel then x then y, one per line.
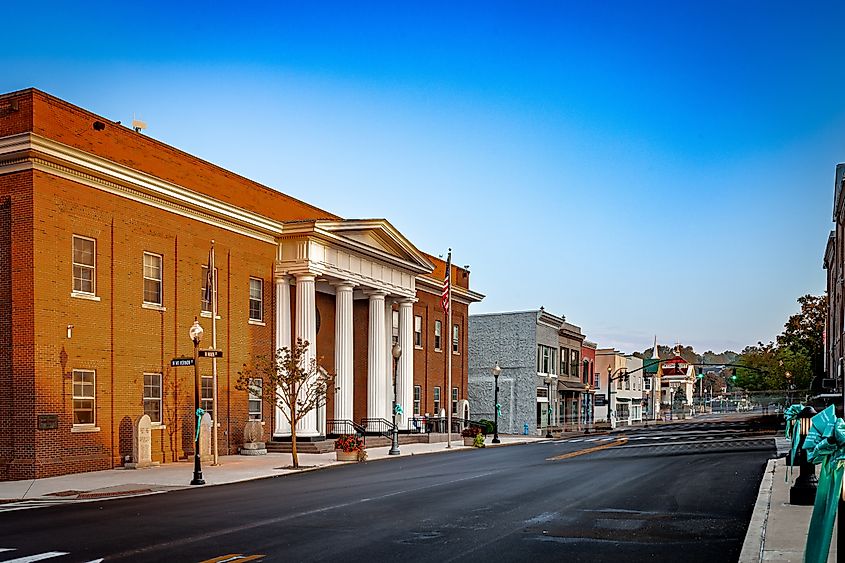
pixel 405 381
pixel 306 329
pixel 282 340
pixel 376 372
pixel 343 352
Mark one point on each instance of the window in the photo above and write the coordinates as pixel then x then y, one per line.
pixel 152 396
pixel 598 380
pixel 647 383
pixel 207 395
pixel 417 331
pixel 454 400
pixel 456 339
pixel 545 359
pixel 256 299
pixel 564 361
pixel 417 397
pixel 152 279
pixel 437 328
pixel 84 264
pixel 256 388
pixel 575 362
pixel 437 401
pixel 83 397
pixel 206 302
pixel 395 327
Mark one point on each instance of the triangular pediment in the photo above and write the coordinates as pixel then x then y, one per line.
pixel 379 236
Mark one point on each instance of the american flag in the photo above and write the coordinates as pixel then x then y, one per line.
pixel 447 285
pixel 208 294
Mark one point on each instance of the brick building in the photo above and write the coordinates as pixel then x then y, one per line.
pixel 104 238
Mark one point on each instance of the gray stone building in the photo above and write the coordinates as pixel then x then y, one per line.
pixel 529 347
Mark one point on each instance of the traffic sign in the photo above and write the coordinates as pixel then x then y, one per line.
pixel 180 362
pixel 210 353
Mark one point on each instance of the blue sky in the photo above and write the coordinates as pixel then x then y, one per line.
pixel 641 168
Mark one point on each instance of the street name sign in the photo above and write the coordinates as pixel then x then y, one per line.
pixel 210 353
pixel 181 362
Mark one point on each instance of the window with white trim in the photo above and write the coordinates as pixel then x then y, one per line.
pixel 417 399
pixel 207 395
pixel 255 406
pixel 152 397
pixel 437 401
pixel 394 335
pixel 437 329
pixel 456 339
pixel 152 279
pixel 206 303
pixel 256 299
pixel 454 401
pixel 545 359
pixel 417 331
pixel 84 396
pixel 647 383
pixel 84 264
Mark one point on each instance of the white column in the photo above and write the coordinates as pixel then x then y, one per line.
pixel 306 329
pixel 376 372
pixel 405 381
pixel 343 352
pixel 388 358
pixel 282 341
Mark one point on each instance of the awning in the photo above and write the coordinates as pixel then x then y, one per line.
pixel 623 400
pixel 571 386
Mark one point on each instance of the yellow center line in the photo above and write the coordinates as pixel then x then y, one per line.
pixel 621 441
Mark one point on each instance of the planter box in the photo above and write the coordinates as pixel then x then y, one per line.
pixel 468 441
pixel 346 456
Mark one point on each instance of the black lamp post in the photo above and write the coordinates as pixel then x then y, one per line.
pixel 803 491
pixel 496 371
pixel 196 335
pixel 394 446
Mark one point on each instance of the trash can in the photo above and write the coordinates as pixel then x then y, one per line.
pixel 525 429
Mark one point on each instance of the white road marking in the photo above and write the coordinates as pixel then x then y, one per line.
pixel 37 557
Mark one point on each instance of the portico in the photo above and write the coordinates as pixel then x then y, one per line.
pixel 353 260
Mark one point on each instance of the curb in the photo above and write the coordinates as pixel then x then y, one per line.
pixel 755 537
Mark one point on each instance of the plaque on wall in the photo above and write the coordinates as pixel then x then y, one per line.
pixel 48 421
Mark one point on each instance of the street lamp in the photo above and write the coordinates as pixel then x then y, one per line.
pixel 195 333
pixel 394 446
pixel 496 371
pixel 549 418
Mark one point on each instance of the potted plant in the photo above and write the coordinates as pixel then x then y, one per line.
pixel 350 448
pixel 469 435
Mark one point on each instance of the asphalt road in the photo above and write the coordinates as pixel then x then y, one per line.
pixel 673 493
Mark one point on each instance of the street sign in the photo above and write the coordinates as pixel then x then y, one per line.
pixel 210 353
pixel 181 362
pixel 601 401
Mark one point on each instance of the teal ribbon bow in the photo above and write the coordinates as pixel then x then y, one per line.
pixel 398 409
pixel 498 409
pixel 791 416
pixel 825 446
pixel 200 412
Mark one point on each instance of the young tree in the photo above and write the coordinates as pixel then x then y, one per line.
pixel 289 381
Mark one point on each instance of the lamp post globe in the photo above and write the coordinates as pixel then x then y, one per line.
pixel 394 445
pixel 496 371
pixel 195 334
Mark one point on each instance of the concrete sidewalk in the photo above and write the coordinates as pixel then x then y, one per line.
pixel 777 531
pixel 114 483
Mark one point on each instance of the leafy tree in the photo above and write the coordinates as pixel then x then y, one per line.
pixel 803 331
pixel 289 382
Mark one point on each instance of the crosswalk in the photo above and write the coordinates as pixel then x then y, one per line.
pixel 685 436
pixel 32 503
pixel 32 558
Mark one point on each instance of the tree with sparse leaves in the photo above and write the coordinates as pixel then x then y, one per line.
pixel 290 382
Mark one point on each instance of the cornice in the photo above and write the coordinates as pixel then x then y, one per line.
pixel 460 294
pixel 33 151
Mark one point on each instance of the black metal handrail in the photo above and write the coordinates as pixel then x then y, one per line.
pixel 342 427
pixel 377 427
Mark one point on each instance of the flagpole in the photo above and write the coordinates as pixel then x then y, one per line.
pixel 214 359
pixel 449 353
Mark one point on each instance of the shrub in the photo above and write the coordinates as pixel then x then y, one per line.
pixel 489 426
pixel 479 441
pixel 470 431
pixel 349 444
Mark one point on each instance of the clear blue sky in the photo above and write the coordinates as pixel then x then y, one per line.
pixel 639 167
